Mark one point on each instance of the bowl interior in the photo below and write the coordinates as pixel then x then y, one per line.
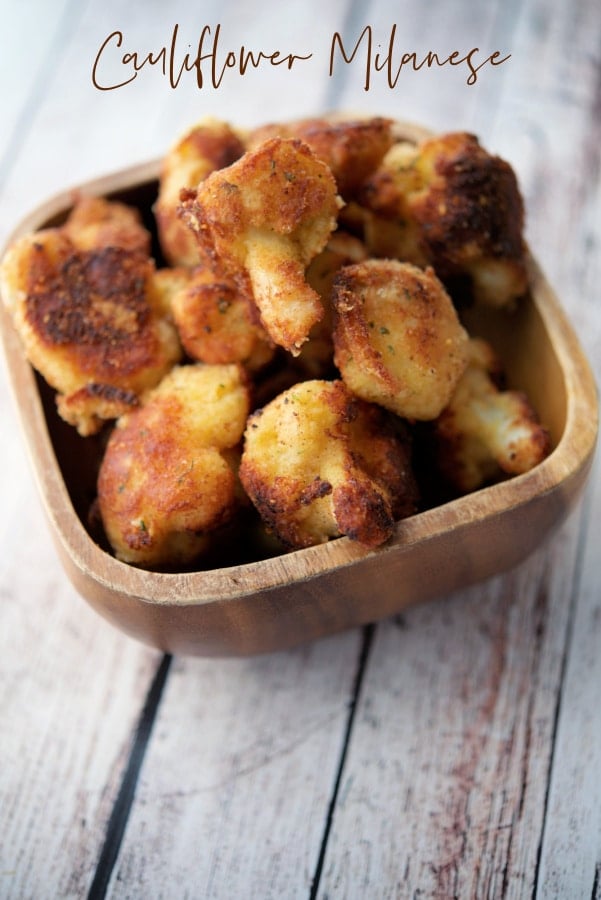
pixel 530 361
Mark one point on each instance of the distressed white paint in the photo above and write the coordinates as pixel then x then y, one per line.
pixel 455 742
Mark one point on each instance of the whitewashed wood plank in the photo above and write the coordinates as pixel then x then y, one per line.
pixel 570 860
pixel 564 138
pixel 70 694
pixel 85 133
pixel 442 792
pixel 82 132
pixel 27 54
pixel 482 820
pixel 547 125
pixel 234 792
pixel 71 687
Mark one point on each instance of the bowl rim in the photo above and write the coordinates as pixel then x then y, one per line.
pixel 572 454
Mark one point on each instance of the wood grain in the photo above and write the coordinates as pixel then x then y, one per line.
pixel 509 812
pixel 443 791
pixel 473 751
pixel 236 783
pixel 70 695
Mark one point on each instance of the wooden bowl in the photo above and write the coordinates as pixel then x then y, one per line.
pixel 275 603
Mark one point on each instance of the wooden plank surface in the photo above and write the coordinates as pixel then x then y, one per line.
pixel 78 718
pixel 71 688
pixel 468 766
pixel 236 784
pixel 476 736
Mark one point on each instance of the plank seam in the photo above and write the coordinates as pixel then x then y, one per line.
pixel 575 591
pixel 368 633
pixel 595 890
pixel 124 801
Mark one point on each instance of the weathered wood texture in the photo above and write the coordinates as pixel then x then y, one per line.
pixel 478 817
pixel 469 766
pixel 237 781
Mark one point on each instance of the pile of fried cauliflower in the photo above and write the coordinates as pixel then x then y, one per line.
pixel 299 328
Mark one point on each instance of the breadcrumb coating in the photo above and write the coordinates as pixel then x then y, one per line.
pixel 352 149
pixel 217 323
pixel 262 220
pixel 449 203
pixel 167 482
pixel 96 222
pixel 88 318
pixel 486 432
pixel 312 269
pixel 319 463
pixel 316 358
pixel 209 145
pixel 398 340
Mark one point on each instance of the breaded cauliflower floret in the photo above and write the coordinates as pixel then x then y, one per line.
pixel 352 149
pixel 398 340
pixel 166 481
pixel 263 219
pixel 485 432
pixel 165 285
pixel 210 145
pixel 450 203
pixel 319 463
pixel 96 222
pixel 217 324
pixel 317 355
pixel 88 323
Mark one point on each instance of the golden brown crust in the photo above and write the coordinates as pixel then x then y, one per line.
pixel 352 149
pixel 265 257
pixel 96 222
pixel 216 322
pixel 93 404
pixel 486 432
pixel 316 358
pixel 450 203
pixel 381 445
pixel 398 340
pixel 208 146
pixel 262 220
pixel 309 471
pixel 86 321
pixel 166 481
pixel 473 207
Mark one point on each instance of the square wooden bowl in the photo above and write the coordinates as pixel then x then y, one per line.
pixel 275 603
